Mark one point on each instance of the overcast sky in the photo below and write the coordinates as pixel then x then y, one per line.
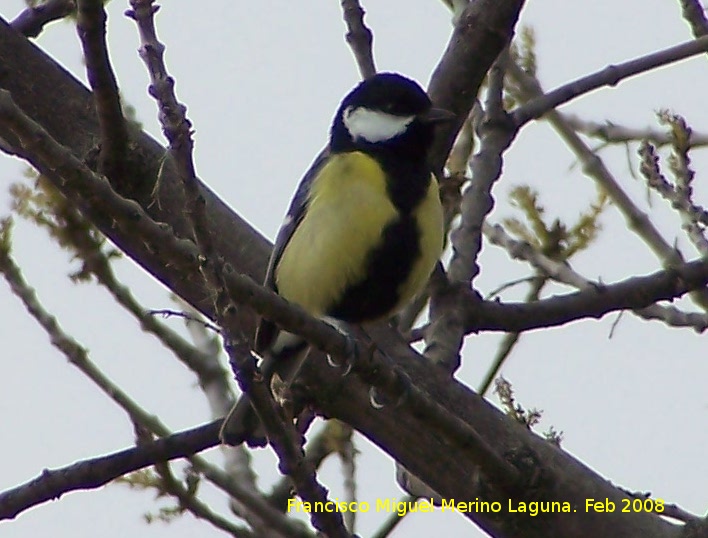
pixel 262 81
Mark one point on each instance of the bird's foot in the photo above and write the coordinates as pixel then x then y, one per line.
pixel 345 362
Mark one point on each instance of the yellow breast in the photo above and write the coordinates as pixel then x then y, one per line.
pixel 348 209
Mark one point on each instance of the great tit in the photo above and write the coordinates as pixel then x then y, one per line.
pixel 365 227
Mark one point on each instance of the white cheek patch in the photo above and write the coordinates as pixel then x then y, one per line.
pixel 374 125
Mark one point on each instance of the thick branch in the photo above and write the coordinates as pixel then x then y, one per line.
pixel 482 31
pixel 64 107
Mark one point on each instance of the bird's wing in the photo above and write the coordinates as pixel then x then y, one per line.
pixel 267 330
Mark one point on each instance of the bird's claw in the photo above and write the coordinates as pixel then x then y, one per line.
pixel 348 359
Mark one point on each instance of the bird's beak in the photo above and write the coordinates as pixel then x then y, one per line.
pixel 436 115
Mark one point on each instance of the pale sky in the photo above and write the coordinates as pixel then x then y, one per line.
pixel 261 82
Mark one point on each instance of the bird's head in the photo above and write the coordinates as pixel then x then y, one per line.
pixel 386 112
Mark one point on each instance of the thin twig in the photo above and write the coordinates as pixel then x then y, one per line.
pixel 32 20
pixel 613 133
pixel 317 449
pixel 563 272
pixel 393 519
pixel 189 501
pixel 594 167
pixel 282 435
pixel 359 37
pixel 78 356
pixel 694 14
pixel 521 250
pixel 609 76
pixel 510 340
pixel 347 455
pixel 219 394
pixel 73 231
pixel 91 27
pixel 285 441
pixel 187 316
pixel 95 472
pixel 630 294
pixel 667 509
pixel 694 218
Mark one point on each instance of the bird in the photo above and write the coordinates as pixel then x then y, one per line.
pixel 364 229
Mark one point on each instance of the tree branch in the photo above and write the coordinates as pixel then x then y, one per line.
pixel 281 434
pixel 612 133
pixel 445 338
pixel 402 434
pixel 32 20
pixel 481 32
pixel 609 76
pixel 95 472
pixel 594 167
pixel 630 294
pixel 694 14
pixel 562 272
pixel 91 27
pixel 359 37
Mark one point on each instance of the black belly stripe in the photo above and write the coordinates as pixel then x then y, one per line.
pixel 391 263
pixel 389 266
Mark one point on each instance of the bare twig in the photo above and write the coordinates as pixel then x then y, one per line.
pixel 91 26
pixel 95 472
pixel 32 20
pixel 563 272
pixel 609 76
pixel 317 449
pixel 189 501
pixel 673 317
pixel 189 317
pixel 559 271
pixel 237 459
pixel 285 441
pixel 282 435
pixel 392 520
pixel 77 232
pixel 593 166
pixel 694 14
pixel 344 440
pixel 445 339
pixel 496 135
pixel 630 294
pixel 78 356
pixel 661 507
pixel 613 133
pixel 694 218
pixel 359 37
pixel 481 31
pixel 510 340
